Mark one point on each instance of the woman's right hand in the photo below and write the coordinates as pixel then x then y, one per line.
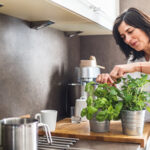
pixel 119 70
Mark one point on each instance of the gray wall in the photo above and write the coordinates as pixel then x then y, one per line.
pixel 34 66
pixel 103 46
pixel 144 5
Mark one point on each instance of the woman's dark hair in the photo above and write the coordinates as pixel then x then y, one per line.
pixel 137 19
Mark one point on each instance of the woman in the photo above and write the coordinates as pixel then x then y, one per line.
pixel 132 33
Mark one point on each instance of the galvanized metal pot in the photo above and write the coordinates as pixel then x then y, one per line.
pixel 132 122
pixel 97 126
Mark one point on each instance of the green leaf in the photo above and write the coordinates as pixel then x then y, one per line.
pixel 113 92
pixel 119 106
pixel 83 112
pixel 100 103
pixel 148 108
pixel 89 88
pixel 102 115
pixel 90 112
pixel 89 101
pixel 128 97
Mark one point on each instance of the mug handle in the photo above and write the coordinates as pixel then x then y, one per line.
pixel 38 117
pixel 47 132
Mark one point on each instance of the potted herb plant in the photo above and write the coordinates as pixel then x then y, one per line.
pixel 134 104
pixel 103 105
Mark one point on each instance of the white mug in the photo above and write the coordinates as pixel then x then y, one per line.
pixel 48 117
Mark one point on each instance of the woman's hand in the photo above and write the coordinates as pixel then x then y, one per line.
pixel 119 70
pixel 104 78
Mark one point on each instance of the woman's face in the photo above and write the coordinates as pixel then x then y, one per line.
pixel 134 37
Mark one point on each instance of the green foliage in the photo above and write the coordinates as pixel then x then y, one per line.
pixel 132 94
pixel 102 102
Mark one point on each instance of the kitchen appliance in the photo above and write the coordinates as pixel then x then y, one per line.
pixel 21 134
pixel 88 74
pixel 87 71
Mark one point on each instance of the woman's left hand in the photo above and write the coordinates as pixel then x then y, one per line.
pixel 104 78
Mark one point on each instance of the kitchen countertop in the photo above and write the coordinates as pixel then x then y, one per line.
pixel 82 131
pixel 101 145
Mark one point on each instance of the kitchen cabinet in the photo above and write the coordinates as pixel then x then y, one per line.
pixel 102 12
pixel 74 15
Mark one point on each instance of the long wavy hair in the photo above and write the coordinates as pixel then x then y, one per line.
pixel 137 19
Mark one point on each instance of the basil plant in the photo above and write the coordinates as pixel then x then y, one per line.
pixel 102 102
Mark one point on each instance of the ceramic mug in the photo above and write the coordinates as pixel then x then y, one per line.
pixel 48 117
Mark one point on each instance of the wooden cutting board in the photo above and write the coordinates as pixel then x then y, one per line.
pixel 82 131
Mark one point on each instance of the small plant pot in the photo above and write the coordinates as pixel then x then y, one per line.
pixel 132 122
pixel 97 126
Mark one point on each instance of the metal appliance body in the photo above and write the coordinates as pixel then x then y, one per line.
pixel 77 90
pixel 20 134
pixel 87 74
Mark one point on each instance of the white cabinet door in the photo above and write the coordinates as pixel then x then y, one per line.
pixel 102 12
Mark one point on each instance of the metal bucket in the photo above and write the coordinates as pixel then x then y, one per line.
pixel 97 126
pixel 132 122
pixel 20 134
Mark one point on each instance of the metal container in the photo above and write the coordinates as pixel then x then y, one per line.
pixel 20 134
pixel 97 126
pixel 132 122
pixel 86 74
pixel 1 121
pixel 89 73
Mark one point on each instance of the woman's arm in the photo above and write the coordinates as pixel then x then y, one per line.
pixel 119 70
